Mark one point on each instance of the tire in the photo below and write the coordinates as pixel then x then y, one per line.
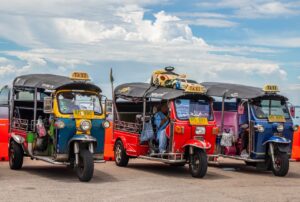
pixel 198 164
pixel 16 155
pixel 85 169
pixel 281 165
pixel 121 157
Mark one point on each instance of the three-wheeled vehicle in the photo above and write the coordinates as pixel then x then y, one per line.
pixel 255 125
pixel 191 130
pixel 58 120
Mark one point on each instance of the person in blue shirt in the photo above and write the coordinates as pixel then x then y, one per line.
pixel 161 121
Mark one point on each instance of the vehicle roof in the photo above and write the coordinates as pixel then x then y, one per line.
pixel 52 82
pixel 235 90
pixel 145 90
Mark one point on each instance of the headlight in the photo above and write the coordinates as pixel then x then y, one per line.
pixel 295 127
pixel 200 131
pixel 59 124
pixel 260 128
pixel 105 124
pixel 280 128
pixel 85 125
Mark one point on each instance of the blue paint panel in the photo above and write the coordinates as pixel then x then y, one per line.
pixel 65 134
pixel 98 131
pixel 270 129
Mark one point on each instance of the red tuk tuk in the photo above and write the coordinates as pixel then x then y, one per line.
pixel 191 132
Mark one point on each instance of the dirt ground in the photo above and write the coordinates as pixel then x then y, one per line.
pixel 147 181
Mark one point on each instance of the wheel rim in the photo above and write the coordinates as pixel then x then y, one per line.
pixel 277 163
pixel 195 163
pixel 118 153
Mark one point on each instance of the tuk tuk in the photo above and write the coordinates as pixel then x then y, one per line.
pixel 57 119
pixel 255 125
pixel 191 130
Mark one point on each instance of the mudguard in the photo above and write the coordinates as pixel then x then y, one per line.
pixel 277 140
pixel 18 139
pixel 82 138
pixel 197 143
pixel 123 139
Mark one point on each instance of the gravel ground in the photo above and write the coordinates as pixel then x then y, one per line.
pixel 147 181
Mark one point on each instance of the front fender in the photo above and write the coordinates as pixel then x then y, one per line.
pixel 277 140
pixel 18 139
pixel 197 143
pixel 82 138
pixel 123 139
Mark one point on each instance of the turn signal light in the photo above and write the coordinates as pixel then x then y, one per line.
pixel 179 129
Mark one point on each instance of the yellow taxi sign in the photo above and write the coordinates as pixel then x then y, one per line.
pixel 194 121
pixel 270 88
pixel 276 118
pixel 195 88
pixel 83 76
pixel 83 114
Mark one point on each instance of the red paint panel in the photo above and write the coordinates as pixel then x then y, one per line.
pixel 4 125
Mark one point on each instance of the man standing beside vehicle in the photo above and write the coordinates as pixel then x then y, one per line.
pixel 161 121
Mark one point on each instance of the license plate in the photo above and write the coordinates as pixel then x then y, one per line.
pixel 198 121
pixel 276 118
pixel 83 114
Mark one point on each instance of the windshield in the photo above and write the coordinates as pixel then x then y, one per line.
pixel 70 101
pixel 186 108
pixel 266 107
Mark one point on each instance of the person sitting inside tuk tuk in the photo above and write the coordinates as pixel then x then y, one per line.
pixel 245 140
pixel 67 103
pixel 161 121
pixel 244 130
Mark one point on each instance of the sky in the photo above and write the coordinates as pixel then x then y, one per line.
pixel 246 42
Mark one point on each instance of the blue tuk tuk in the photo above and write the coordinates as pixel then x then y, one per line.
pixel 57 119
pixel 255 125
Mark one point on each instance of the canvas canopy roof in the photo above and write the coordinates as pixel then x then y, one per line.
pixel 141 90
pixel 52 82
pixel 233 90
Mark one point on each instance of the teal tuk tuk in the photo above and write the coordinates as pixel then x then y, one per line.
pixel 57 119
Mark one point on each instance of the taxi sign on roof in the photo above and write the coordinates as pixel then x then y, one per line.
pixel 83 76
pixel 195 88
pixel 270 88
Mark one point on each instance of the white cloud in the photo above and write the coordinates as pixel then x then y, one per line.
pixel 254 8
pixel 298 77
pixel 207 19
pixel 61 39
pixel 283 41
pixel 207 22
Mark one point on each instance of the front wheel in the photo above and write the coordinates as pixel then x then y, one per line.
pixel 85 168
pixel 280 166
pixel 121 157
pixel 15 156
pixel 198 164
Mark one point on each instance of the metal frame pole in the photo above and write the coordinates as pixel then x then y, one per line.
pixel 35 110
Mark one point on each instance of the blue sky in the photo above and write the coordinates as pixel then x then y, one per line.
pixel 248 42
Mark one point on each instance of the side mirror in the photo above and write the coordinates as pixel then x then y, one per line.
pixel 292 111
pixel 241 109
pixel 47 105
